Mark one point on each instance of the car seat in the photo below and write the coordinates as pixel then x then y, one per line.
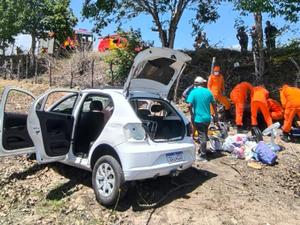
pixel 156 108
pixel 91 125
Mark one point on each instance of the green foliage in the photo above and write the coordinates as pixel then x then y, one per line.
pixel 165 14
pixel 287 8
pixel 287 52
pixel 282 65
pixel 9 21
pixel 122 59
pixel 39 17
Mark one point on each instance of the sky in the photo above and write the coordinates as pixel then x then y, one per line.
pixel 222 32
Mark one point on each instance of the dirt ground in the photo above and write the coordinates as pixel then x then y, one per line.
pixel 223 190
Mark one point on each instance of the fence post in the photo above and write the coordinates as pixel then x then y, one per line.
pixel 26 67
pixel 19 69
pixel 111 72
pixel 50 73
pixel 35 71
pixel 213 65
pixel 71 82
pixel 93 72
pixel 11 68
pixel 5 66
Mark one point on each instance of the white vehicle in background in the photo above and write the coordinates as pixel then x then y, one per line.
pixel 119 135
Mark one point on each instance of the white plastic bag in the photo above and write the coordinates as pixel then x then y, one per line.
pixel 248 149
pixel 234 141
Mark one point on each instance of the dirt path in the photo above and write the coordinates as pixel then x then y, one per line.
pixel 223 190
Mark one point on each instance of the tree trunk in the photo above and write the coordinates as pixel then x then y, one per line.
pixel 32 52
pixel 167 37
pixel 261 58
pixel 172 33
pixel 175 99
pixel 3 54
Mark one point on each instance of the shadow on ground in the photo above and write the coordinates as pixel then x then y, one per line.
pixel 141 195
pixel 155 193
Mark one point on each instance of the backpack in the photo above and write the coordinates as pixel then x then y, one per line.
pixel 215 143
pixel 262 152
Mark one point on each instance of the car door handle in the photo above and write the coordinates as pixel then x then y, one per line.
pixel 55 132
pixel 19 128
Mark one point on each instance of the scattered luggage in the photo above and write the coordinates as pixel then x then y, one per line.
pixel 263 153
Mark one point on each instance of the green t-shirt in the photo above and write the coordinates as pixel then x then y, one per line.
pixel 200 98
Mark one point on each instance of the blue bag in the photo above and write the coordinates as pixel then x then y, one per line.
pixel 263 153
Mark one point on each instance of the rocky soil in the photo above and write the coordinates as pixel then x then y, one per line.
pixel 223 190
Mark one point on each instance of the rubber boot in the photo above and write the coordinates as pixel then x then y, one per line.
pixel 240 130
pixel 285 136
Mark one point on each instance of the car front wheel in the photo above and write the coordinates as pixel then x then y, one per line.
pixel 108 181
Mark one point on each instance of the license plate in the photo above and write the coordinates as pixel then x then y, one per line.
pixel 175 157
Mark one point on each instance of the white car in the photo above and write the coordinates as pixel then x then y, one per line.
pixel 119 135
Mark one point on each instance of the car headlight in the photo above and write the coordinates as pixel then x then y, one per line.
pixel 134 131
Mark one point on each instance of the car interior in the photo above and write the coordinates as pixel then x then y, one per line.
pixel 159 118
pixel 91 122
pixel 15 134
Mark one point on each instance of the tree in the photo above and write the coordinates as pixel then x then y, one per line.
pixel 39 17
pixel 287 8
pixel 289 59
pixel 122 59
pixel 9 23
pixel 105 12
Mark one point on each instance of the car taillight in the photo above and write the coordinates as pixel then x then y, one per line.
pixel 188 129
pixel 134 131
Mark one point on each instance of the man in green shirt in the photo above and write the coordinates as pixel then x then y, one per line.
pixel 199 101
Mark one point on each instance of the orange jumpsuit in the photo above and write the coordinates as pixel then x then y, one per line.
pixel 275 109
pixel 259 96
pixel 290 100
pixel 216 85
pixel 238 96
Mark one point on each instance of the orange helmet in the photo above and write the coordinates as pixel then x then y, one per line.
pixel 216 69
pixel 285 86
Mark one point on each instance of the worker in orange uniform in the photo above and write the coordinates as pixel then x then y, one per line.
pixel 216 85
pixel 259 96
pixel 290 100
pixel 275 109
pixel 239 95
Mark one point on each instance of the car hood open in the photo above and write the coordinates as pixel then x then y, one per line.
pixel 154 71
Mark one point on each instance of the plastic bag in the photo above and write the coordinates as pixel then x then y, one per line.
pixel 234 141
pixel 249 145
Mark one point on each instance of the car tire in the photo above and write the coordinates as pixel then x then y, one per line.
pixel 108 181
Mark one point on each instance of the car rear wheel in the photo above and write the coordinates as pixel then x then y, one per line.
pixel 108 181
